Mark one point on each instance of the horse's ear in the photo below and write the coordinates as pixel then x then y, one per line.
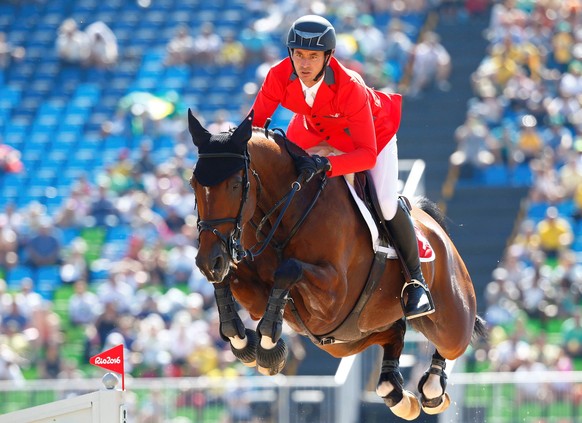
pixel 198 133
pixel 244 131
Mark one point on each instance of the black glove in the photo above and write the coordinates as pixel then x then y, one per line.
pixel 311 165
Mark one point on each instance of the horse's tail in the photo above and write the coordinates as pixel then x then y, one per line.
pixel 433 210
pixel 480 332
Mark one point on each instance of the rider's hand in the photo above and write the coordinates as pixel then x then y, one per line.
pixel 311 166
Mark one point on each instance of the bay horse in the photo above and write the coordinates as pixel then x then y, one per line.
pixel 287 249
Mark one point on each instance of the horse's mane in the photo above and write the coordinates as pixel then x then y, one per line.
pixel 280 137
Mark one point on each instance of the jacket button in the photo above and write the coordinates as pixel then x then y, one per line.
pixel 327 138
pixel 317 123
pixel 321 130
pixel 313 116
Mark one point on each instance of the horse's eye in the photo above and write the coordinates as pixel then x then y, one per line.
pixel 236 183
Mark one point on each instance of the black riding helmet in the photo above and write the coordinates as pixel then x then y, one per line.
pixel 312 32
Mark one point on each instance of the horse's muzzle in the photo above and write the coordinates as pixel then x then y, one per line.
pixel 215 265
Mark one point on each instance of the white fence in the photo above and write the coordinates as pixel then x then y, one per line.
pixel 477 398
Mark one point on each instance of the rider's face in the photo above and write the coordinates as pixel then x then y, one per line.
pixel 308 63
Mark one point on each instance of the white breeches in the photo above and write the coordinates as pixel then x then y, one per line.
pixel 385 177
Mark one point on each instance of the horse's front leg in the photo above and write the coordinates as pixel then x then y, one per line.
pixel 272 350
pixel 390 387
pixel 243 341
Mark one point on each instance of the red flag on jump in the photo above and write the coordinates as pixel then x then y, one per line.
pixel 112 359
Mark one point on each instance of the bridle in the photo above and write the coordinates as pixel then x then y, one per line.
pixel 232 241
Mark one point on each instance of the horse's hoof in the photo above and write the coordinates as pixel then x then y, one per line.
pixel 444 404
pixel 248 354
pixel 408 408
pixel 270 362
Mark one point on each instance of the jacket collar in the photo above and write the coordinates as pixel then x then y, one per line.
pixel 324 94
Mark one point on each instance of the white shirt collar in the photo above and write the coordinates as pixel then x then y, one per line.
pixel 310 92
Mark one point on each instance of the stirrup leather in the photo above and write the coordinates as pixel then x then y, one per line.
pixel 417 283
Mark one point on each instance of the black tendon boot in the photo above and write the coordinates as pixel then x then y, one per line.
pixel 418 299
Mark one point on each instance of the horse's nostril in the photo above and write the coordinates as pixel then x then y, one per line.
pixel 218 265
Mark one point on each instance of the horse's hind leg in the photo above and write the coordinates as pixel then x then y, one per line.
pixel 432 387
pixel 390 387
pixel 243 341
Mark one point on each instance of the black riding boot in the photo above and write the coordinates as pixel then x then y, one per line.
pixel 419 301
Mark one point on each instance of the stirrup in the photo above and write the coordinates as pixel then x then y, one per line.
pixel 417 283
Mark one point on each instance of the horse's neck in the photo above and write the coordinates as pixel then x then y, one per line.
pixel 274 167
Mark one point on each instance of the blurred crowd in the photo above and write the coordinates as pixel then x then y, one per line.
pixel 141 287
pixel 526 116
pixel 124 240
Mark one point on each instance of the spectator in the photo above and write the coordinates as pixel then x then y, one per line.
pixel 473 141
pixel 83 306
pixel 529 140
pixel 232 51
pixel 255 43
pixel 8 53
pixel 431 64
pixel 369 38
pixel 180 48
pixel 173 220
pixel 555 233
pixel 47 324
pixel 144 164
pixel 221 122
pixel 562 43
pixel 398 47
pixel 546 185
pixel 12 218
pixel 529 392
pixel 153 342
pixel 106 323
pixel 8 245
pixel 570 175
pixel 15 320
pixel 103 43
pixel 51 365
pixel 270 57
pixel 117 291
pixel 102 210
pixel 44 248
pixel 73 210
pixel 577 197
pixel 207 45
pixel 73 46
pixel 10 365
pixel 9 159
pixel 180 260
pixel 571 331
pixel 75 266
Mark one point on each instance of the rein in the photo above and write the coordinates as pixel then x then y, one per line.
pixel 232 241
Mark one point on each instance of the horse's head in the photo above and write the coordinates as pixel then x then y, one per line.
pixel 221 184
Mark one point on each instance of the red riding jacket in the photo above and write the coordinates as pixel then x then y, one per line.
pixel 346 114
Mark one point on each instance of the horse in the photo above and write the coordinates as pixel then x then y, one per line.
pixel 291 249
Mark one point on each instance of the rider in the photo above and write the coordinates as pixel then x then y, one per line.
pixel 335 111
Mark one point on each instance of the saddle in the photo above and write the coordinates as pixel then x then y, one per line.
pixel 364 188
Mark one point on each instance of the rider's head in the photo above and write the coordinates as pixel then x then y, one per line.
pixel 311 39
